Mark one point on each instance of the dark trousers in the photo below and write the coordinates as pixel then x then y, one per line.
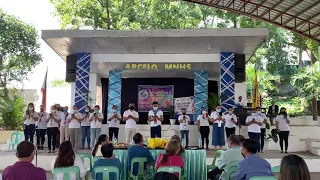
pixel 284 136
pixel 41 137
pixel 204 131
pixel 85 134
pixel 255 137
pixel 115 131
pixel 58 139
pixel 52 137
pixel 156 132
pixel 29 132
pixel 262 136
pixel 213 174
pixel 230 131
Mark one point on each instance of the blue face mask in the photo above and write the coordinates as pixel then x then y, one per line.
pixel 253 114
pixel 218 110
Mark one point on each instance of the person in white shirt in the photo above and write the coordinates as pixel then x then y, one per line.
pixel 203 127
pixel 218 120
pixel 30 118
pixel 96 119
pixel 114 120
pixel 85 127
pixel 184 121
pixel 282 125
pixel 64 125
pixel 254 122
pixel 74 120
pixel 131 117
pixel 53 120
pixel 155 117
pixel 262 127
pixel 240 102
pixel 231 121
pixel 42 127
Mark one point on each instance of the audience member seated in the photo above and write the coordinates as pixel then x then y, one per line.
pixel 241 139
pixel 171 157
pixel 67 158
pixel 177 138
pixel 24 169
pixel 102 140
pixel 293 167
pixel 229 158
pixel 252 165
pixel 108 160
pixel 138 150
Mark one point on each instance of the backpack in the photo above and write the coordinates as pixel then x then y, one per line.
pixel 165 176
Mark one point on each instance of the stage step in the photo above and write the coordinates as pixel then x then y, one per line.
pixel 315 151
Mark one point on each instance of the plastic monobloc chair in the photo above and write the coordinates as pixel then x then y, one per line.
pixel 230 172
pixel 141 170
pixel 94 159
pixel 106 170
pixel 170 169
pixel 275 169
pixel 264 178
pixel 84 156
pixel 217 154
pixel 67 172
pixel 15 139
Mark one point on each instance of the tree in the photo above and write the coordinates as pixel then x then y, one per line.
pixel 18 51
pixel 59 83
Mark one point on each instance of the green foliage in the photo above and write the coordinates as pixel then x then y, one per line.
pixel 59 83
pixel 213 100
pixel 18 50
pixel 11 110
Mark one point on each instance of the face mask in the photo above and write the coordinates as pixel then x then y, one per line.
pixel 204 112
pixel 86 110
pixel 230 112
pixel 283 112
pixel 75 111
pixel 218 110
pixel 96 111
pixel 41 110
pixel 53 111
pixel 30 108
pixel 155 108
pixel 65 110
pixel 131 107
pixel 258 112
pixel 253 114
pixel 184 113
pixel 114 110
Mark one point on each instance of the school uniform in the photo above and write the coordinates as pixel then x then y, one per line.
pixel 217 130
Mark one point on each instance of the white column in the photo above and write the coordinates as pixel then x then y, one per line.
pixel 92 89
pixel 73 94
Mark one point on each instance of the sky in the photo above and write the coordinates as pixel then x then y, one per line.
pixel 39 14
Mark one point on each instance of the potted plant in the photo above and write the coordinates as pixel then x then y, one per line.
pixel 273 135
pixel 171 115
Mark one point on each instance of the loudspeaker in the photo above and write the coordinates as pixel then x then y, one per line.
pixel 240 68
pixel 71 66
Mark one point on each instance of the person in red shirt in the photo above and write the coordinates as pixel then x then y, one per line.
pixel 24 169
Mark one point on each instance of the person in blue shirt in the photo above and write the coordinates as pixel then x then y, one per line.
pixel 138 150
pixel 107 160
pixel 252 165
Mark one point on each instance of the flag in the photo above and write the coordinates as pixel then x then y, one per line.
pixel 256 93
pixel 44 90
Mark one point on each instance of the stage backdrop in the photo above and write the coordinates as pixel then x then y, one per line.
pixel 147 94
pixel 184 102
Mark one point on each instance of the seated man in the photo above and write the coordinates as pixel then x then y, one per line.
pixel 108 160
pixel 138 150
pixel 24 169
pixel 229 158
pixel 252 165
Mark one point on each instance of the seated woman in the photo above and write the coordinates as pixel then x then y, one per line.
pixel 177 138
pixel 102 140
pixel 170 158
pixel 67 158
pixel 294 167
pixel 108 160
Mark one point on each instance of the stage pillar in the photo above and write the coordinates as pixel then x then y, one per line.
pixel 227 80
pixel 200 92
pixel 82 81
pixel 114 90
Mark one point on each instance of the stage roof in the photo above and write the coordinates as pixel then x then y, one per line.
pixel 195 41
pixel 300 16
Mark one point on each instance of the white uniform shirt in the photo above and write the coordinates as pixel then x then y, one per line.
pixel 229 123
pixel 215 115
pixel 74 123
pixel 114 123
pixel 95 123
pixel 63 118
pixel 254 128
pixel 158 113
pixel 42 122
pixel 282 123
pixel 85 121
pixel 263 116
pixel 29 119
pixel 131 123
pixel 51 123
pixel 204 121
pixel 184 125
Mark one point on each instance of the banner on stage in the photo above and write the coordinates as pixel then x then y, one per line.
pixel 147 94
pixel 184 102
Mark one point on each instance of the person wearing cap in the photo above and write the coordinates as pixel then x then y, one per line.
pixel 155 118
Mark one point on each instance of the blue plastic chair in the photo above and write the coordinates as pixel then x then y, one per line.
pixel 15 139
pixel 275 169
pixel 106 170
pixel 170 169
pixel 264 178
pixel 67 172
pixel 141 170
pixel 94 159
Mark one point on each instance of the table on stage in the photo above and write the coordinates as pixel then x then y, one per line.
pixel 194 163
